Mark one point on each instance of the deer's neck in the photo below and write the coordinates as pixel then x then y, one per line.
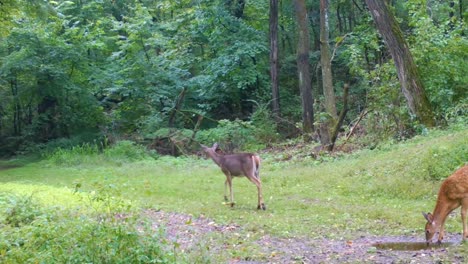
pixel 216 158
pixel 440 211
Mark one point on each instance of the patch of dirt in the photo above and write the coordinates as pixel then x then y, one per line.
pixel 189 232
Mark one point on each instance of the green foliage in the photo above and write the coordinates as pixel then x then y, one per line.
pixel 440 51
pixel 265 127
pixel 343 198
pixel 74 156
pixel 458 114
pixel 231 135
pixel 441 162
pixel 125 69
pixel 126 150
pixel 238 135
pixel 90 153
pixel 63 236
pixel 20 211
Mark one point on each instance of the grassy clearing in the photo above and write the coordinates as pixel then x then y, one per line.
pixel 376 192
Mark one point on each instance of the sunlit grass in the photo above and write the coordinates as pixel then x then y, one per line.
pixel 370 192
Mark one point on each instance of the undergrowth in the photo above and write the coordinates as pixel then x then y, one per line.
pixel 88 153
pixel 35 233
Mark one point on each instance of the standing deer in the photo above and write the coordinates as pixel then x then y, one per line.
pixel 453 193
pixel 232 165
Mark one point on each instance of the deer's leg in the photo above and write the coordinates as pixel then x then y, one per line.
pixel 225 189
pixel 229 181
pixel 441 232
pixel 258 183
pixel 464 210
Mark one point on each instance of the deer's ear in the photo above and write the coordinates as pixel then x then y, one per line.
pixel 215 146
pixel 428 217
pixel 203 146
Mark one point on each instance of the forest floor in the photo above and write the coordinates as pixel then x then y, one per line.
pixel 194 235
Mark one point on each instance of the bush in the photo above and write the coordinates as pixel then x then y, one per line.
pixel 243 135
pixel 74 156
pixel 441 162
pixel 231 135
pixel 20 211
pixel 62 236
pixel 126 150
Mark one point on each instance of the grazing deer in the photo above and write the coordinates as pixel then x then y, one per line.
pixel 232 165
pixel 453 193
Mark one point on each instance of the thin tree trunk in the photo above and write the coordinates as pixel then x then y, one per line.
pixel 338 16
pixel 327 125
pixel 17 107
pixel 177 105
pixel 274 66
pixel 339 122
pixel 460 10
pixel 411 83
pixel 305 85
pixel 327 78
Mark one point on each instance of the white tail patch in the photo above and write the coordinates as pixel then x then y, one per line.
pixel 256 165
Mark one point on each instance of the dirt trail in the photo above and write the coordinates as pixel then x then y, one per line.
pixel 189 233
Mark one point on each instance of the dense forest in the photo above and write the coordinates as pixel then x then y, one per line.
pixel 170 74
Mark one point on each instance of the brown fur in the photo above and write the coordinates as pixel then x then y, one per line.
pixel 240 164
pixel 453 193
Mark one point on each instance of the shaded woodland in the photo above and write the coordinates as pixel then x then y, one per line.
pixel 246 74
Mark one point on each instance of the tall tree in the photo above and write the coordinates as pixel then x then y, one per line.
pixel 305 85
pixel 274 66
pixel 325 61
pixel 408 74
pixel 327 123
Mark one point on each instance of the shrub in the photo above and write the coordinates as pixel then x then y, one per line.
pixel 20 211
pixel 126 150
pixel 67 236
pixel 440 162
pixel 74 156
pixel 243 135
pixel 231 135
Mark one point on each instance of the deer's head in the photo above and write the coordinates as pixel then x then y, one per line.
pixel 431 227
pixel 212 150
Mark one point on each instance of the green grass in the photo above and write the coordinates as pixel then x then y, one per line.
pixel 378 192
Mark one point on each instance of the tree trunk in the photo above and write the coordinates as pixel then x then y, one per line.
pixel 452 14
pixel 327 78
pixel 305 85
pixel 177 105
pixel 17 107
pixel 339 122
pixel 274 66
pixel 411 83
pixel 338 18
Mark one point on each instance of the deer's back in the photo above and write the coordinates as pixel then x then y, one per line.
pixel 238 164
pixel 456 186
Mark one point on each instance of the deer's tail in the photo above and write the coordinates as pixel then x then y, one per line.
pixel 256 162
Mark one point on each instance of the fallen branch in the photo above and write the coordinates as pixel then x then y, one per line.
pixel 361 116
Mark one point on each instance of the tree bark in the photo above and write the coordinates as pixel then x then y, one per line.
pixel 327 125
pixel 410 81
pixel 274 66
pixel 339 122
pixel 305 85
pixel 327 78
